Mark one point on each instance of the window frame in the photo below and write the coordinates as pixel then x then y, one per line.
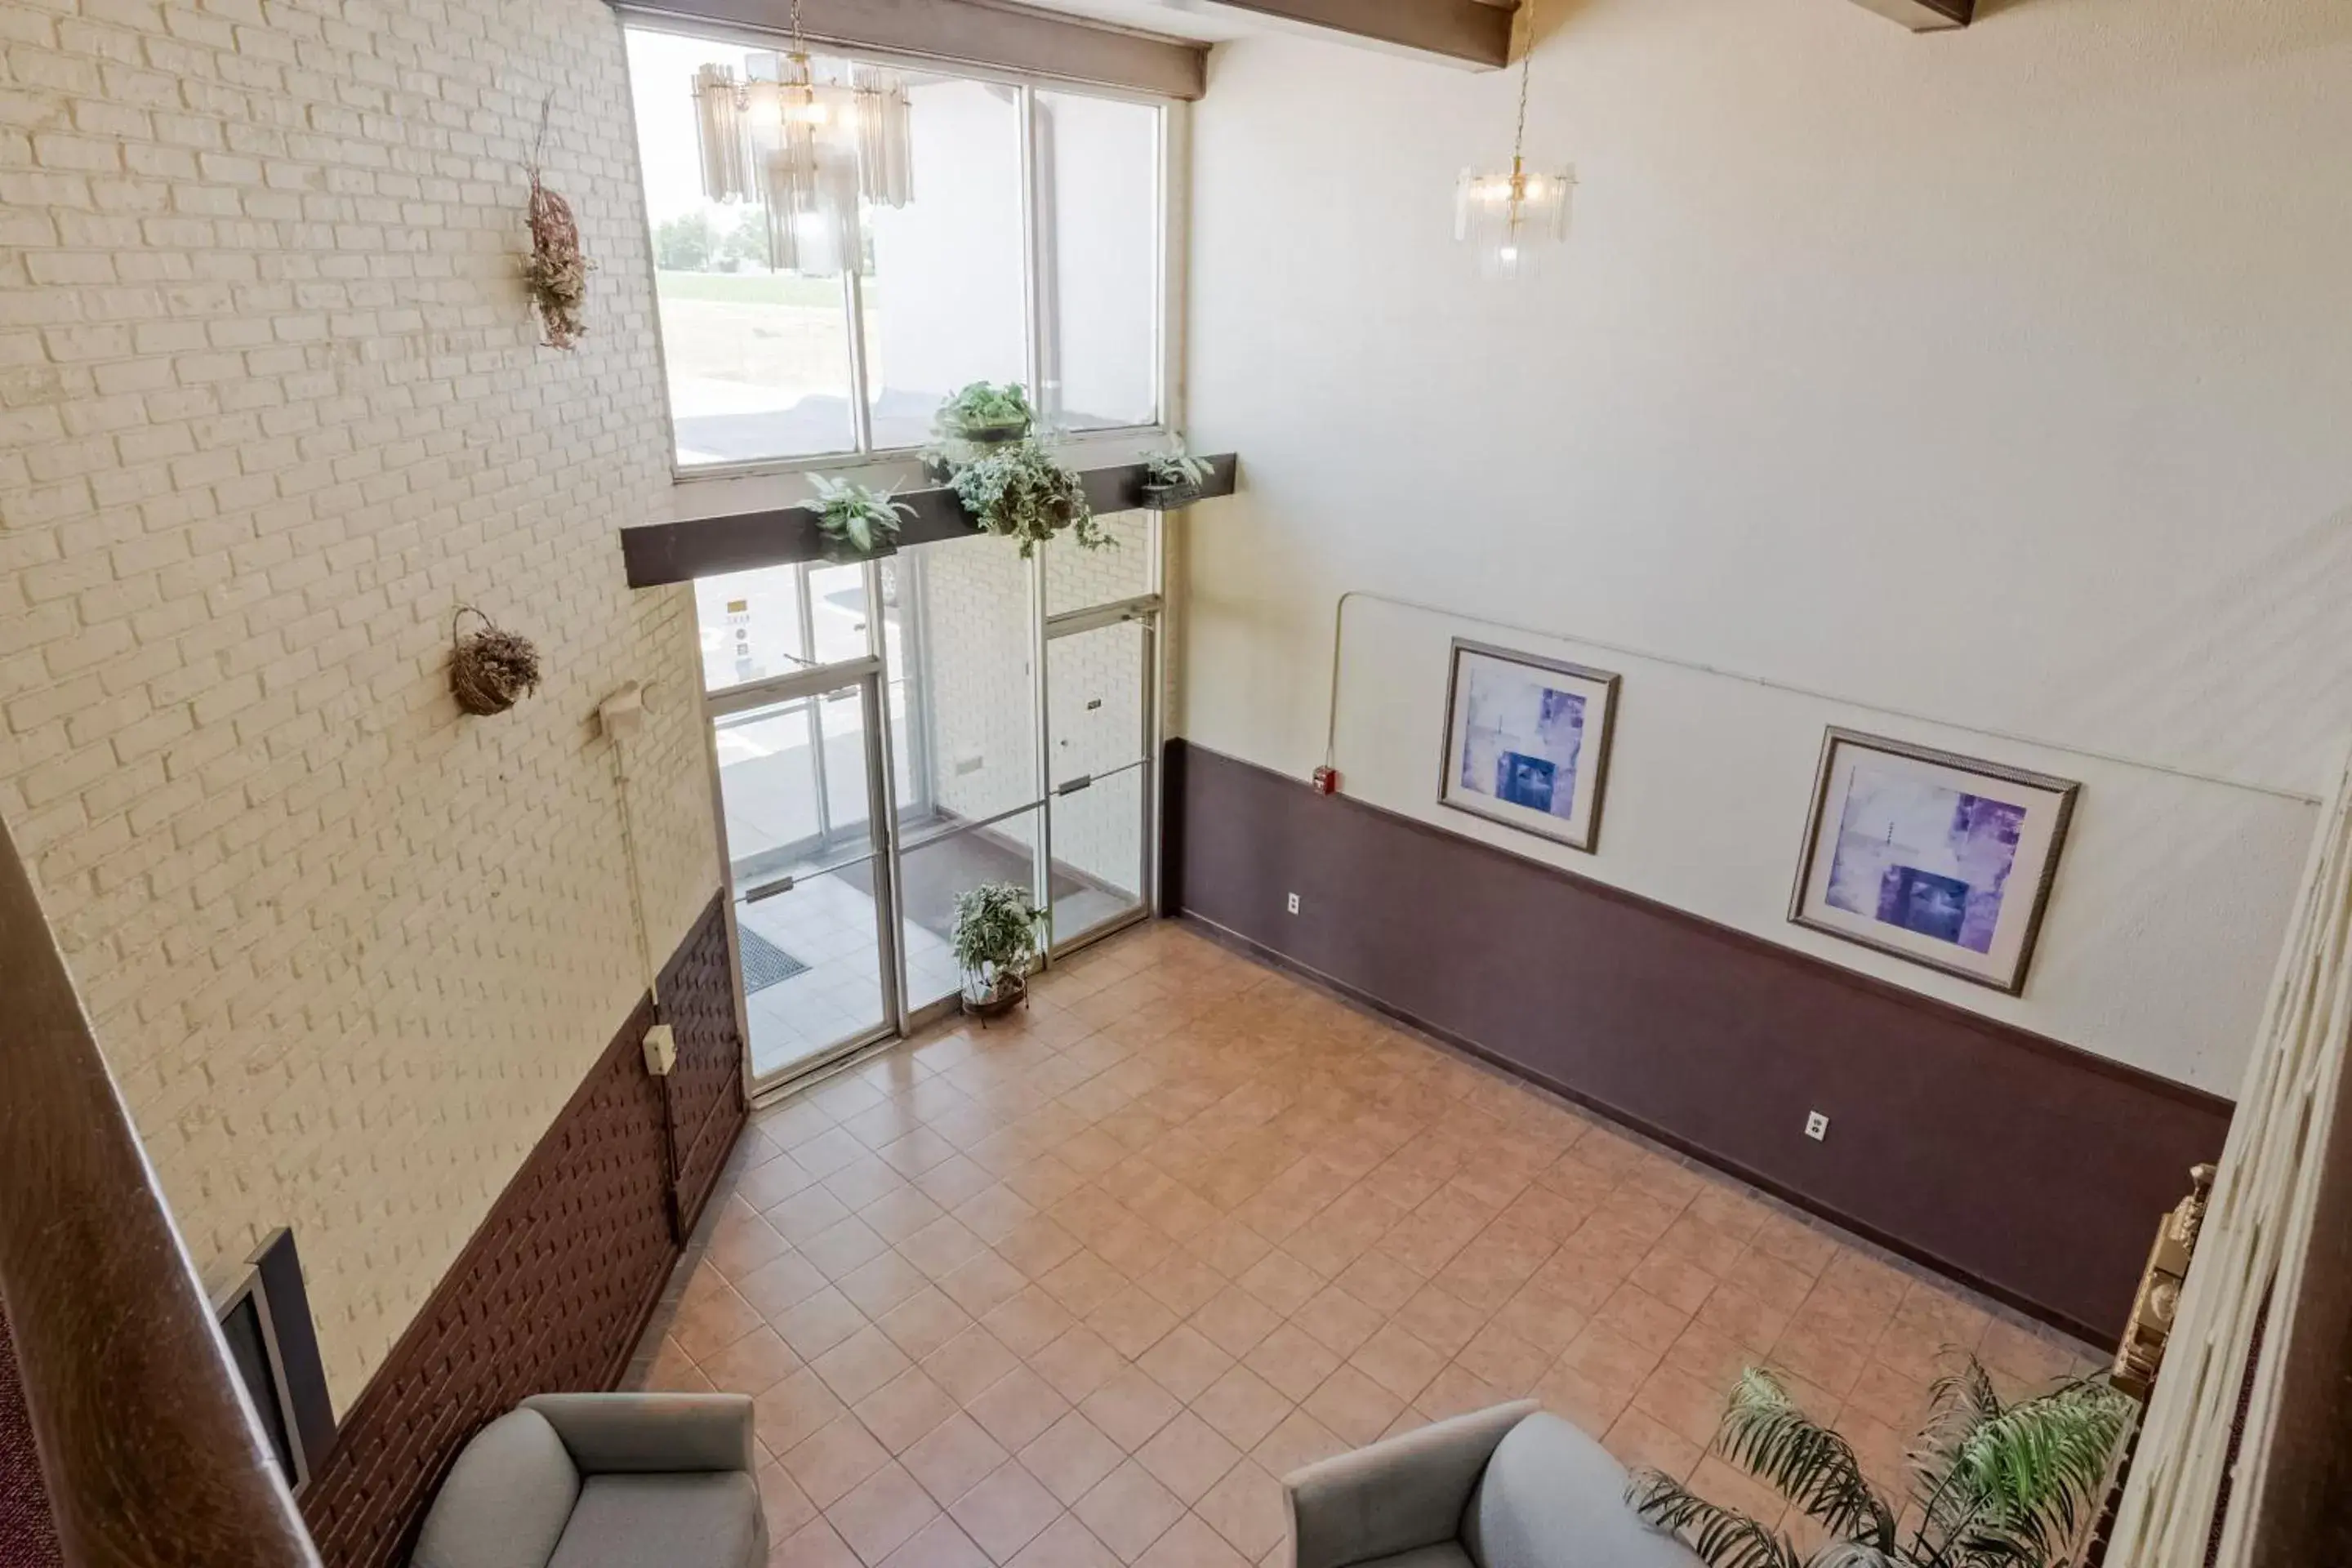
pixel 1170 167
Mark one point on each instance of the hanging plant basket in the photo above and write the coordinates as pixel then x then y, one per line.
pixel 489 670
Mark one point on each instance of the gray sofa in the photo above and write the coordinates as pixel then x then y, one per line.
pixel 604 1480
pixel 1506 1488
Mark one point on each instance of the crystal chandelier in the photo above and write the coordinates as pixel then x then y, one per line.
pixel 805 149
pixel 1509 217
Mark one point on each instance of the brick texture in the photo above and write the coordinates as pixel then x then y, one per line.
pixel 271 407
pixel 553 1290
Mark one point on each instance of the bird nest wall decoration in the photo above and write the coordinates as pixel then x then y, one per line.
pixel 557 272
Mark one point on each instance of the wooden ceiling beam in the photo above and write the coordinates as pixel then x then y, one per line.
pixel 1459 32
pixel 1924 15
pixel 968 32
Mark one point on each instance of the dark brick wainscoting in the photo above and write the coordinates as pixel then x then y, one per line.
pixel 554 1289
pixel 2031 1170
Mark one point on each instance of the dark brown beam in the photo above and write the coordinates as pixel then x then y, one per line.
pixel 1925 15
pixel 1469 32
pixel 661 552
pixel 973 33
pixel 149 1454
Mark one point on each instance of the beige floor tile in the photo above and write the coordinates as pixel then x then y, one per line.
pixel 941 1544
pixel 952 1457
pixel 860 1364
pixel 1006 1511
pixel 1293 1363
pixel 1018 1406
pixel 1243 1406
pixel 830 1464
pixel 1078 1364
pixel 881 1513
pixel 1070 1457
pixel 1130 1407
pixel 1188 1456
pixel 1065 1543
pixel 1248 1508
pixel 923 1322
pixel 906 1409
pixel 753 1365
pixel 1192 1542
pixel 1353 1406
pixel 813 1545
pixel 1127 1511
pixel 970 1365
pixel 1184 1362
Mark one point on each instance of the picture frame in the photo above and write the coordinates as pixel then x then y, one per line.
pixel 1526 742
pixel 1945 860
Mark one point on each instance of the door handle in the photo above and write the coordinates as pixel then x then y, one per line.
pixel 1075 784
pixel 769 890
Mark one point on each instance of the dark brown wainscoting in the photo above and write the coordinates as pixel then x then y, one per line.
pixel 2025 1167
pixel 555 1288
pixel 28 1536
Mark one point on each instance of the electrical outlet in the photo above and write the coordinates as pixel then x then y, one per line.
pixel 1817 1126
pixel 1294 903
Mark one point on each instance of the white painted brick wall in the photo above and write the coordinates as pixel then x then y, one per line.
pixel 271 407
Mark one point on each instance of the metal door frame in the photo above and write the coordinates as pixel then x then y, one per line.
pixel 868 676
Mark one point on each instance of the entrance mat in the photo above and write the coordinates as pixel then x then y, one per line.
pixel 765 964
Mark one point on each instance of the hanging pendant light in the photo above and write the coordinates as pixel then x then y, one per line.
pixel 1510 217
pixel 806 150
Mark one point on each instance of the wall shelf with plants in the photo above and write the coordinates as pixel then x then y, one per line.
pixel 997 476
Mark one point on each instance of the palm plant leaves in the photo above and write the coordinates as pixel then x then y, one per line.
pixel 1815 1468
pixel 1724 1539
pixel 1999 1485
pixel 2027 1472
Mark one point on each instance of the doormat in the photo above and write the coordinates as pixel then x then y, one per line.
pixel 765 964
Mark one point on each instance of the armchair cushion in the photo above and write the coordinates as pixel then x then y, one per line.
pixel 1394 1496
pixel 709 1519
pixel 506 1501
pixel 616 1434
pixel 1553 1498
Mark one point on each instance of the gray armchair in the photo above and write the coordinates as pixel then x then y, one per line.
pixel 604 1480
pixel 1506 1488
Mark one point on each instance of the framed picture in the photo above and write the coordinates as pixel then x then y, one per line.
pixel 1941 860
pixel 1526 742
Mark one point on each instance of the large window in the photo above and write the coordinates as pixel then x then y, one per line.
pixel 1028 249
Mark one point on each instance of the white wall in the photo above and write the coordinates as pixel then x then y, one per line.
pixel 272 404
pixel 1999 376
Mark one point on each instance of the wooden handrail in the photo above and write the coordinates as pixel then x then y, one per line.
pixel 148 1451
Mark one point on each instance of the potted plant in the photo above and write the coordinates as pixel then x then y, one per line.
pixel 996 945
pixel 986 414
pixel 1995 1485
pixel 1172 478
pixel 857 521
pixel 1023 491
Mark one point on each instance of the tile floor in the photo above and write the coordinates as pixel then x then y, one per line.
pixel 1073 1291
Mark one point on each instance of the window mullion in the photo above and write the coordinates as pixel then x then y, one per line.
pixel 1032 234
pixel 853 294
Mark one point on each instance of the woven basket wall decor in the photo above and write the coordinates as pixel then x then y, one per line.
pixel 489 669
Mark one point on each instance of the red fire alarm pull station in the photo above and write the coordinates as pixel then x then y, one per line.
pixel 1326 780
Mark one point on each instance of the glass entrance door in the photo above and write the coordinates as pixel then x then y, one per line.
pixel 1099 689
pixel 801 815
